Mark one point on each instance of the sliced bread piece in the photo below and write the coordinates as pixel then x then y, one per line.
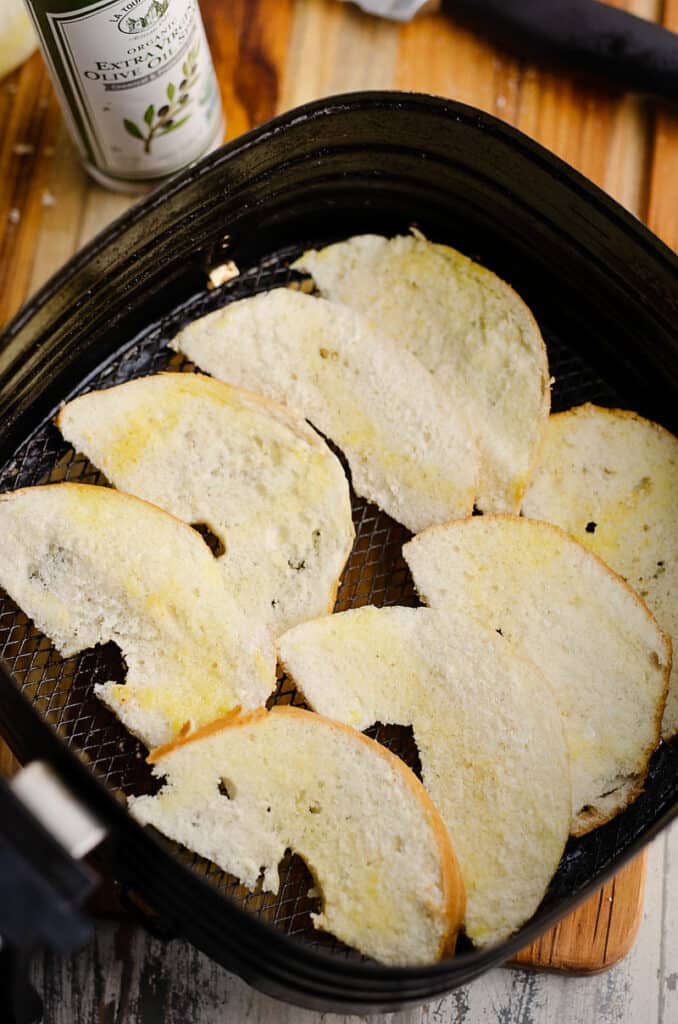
pixel 257 475
pixel 596 641
pixel 369 834
pixel 407 448
pixel 90 565
pixel 610 478
pixel 468 328
pixel 487 726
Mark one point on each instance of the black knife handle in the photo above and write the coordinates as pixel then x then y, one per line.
pixel 584 35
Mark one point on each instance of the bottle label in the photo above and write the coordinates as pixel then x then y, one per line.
pixel 138 77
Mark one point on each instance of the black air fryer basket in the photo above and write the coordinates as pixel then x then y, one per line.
pixel 605 293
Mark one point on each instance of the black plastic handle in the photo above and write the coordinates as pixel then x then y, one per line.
pixel 41 890
pixel 583 35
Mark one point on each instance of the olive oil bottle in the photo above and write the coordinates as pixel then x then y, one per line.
pixel 136 82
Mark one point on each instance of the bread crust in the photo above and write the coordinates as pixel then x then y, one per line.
pixel 588 819
pixel 614 413
pixel 452 884
pixel 590 415
pixel 91 420
pixel 335 268
pixel 348 380
pixel 292 418
pixel 403 666
pixel 72 485
pixel 241 658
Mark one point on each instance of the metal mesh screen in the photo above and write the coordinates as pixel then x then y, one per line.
pixel 63 689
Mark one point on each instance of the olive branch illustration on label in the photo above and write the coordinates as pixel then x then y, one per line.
pixel 164 120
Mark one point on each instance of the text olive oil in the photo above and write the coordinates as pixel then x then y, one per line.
pixel 136 82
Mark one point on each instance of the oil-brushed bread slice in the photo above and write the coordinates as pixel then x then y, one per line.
pixel 610 478
pixel 363 823
pixel 256 474
pixel 598 644
pixel 489 733
pixel 405 443
pixel 468 327
pixel 90 565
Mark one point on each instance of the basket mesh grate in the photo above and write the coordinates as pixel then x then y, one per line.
pixel 62 689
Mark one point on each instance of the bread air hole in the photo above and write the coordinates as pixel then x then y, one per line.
pixel 226 789
pixel 213 542
pixel 301 896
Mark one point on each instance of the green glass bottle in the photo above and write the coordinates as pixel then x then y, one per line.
pixel 136 82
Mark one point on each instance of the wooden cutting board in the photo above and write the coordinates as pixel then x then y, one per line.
pixel 273 54
pixel 599 932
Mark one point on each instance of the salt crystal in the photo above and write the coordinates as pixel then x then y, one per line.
pixel 14 216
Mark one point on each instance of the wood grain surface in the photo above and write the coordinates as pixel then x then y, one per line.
pixel 597 934
pixel 271 55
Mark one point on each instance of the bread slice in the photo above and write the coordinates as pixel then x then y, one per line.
pixel 369 834
pixel 90 565
pixel 598 644
pixel 487 726
pixel 610 478
pixel 468 327
pixel 406 446
pixel 257 475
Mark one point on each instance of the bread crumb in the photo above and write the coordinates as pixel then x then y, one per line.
pixel 23 149
pixel 223 273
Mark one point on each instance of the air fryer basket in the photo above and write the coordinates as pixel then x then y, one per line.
pixel 605 292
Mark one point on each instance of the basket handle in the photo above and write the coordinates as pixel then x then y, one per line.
pixel 43 833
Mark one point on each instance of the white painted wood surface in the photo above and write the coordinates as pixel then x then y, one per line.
pixel 127 977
